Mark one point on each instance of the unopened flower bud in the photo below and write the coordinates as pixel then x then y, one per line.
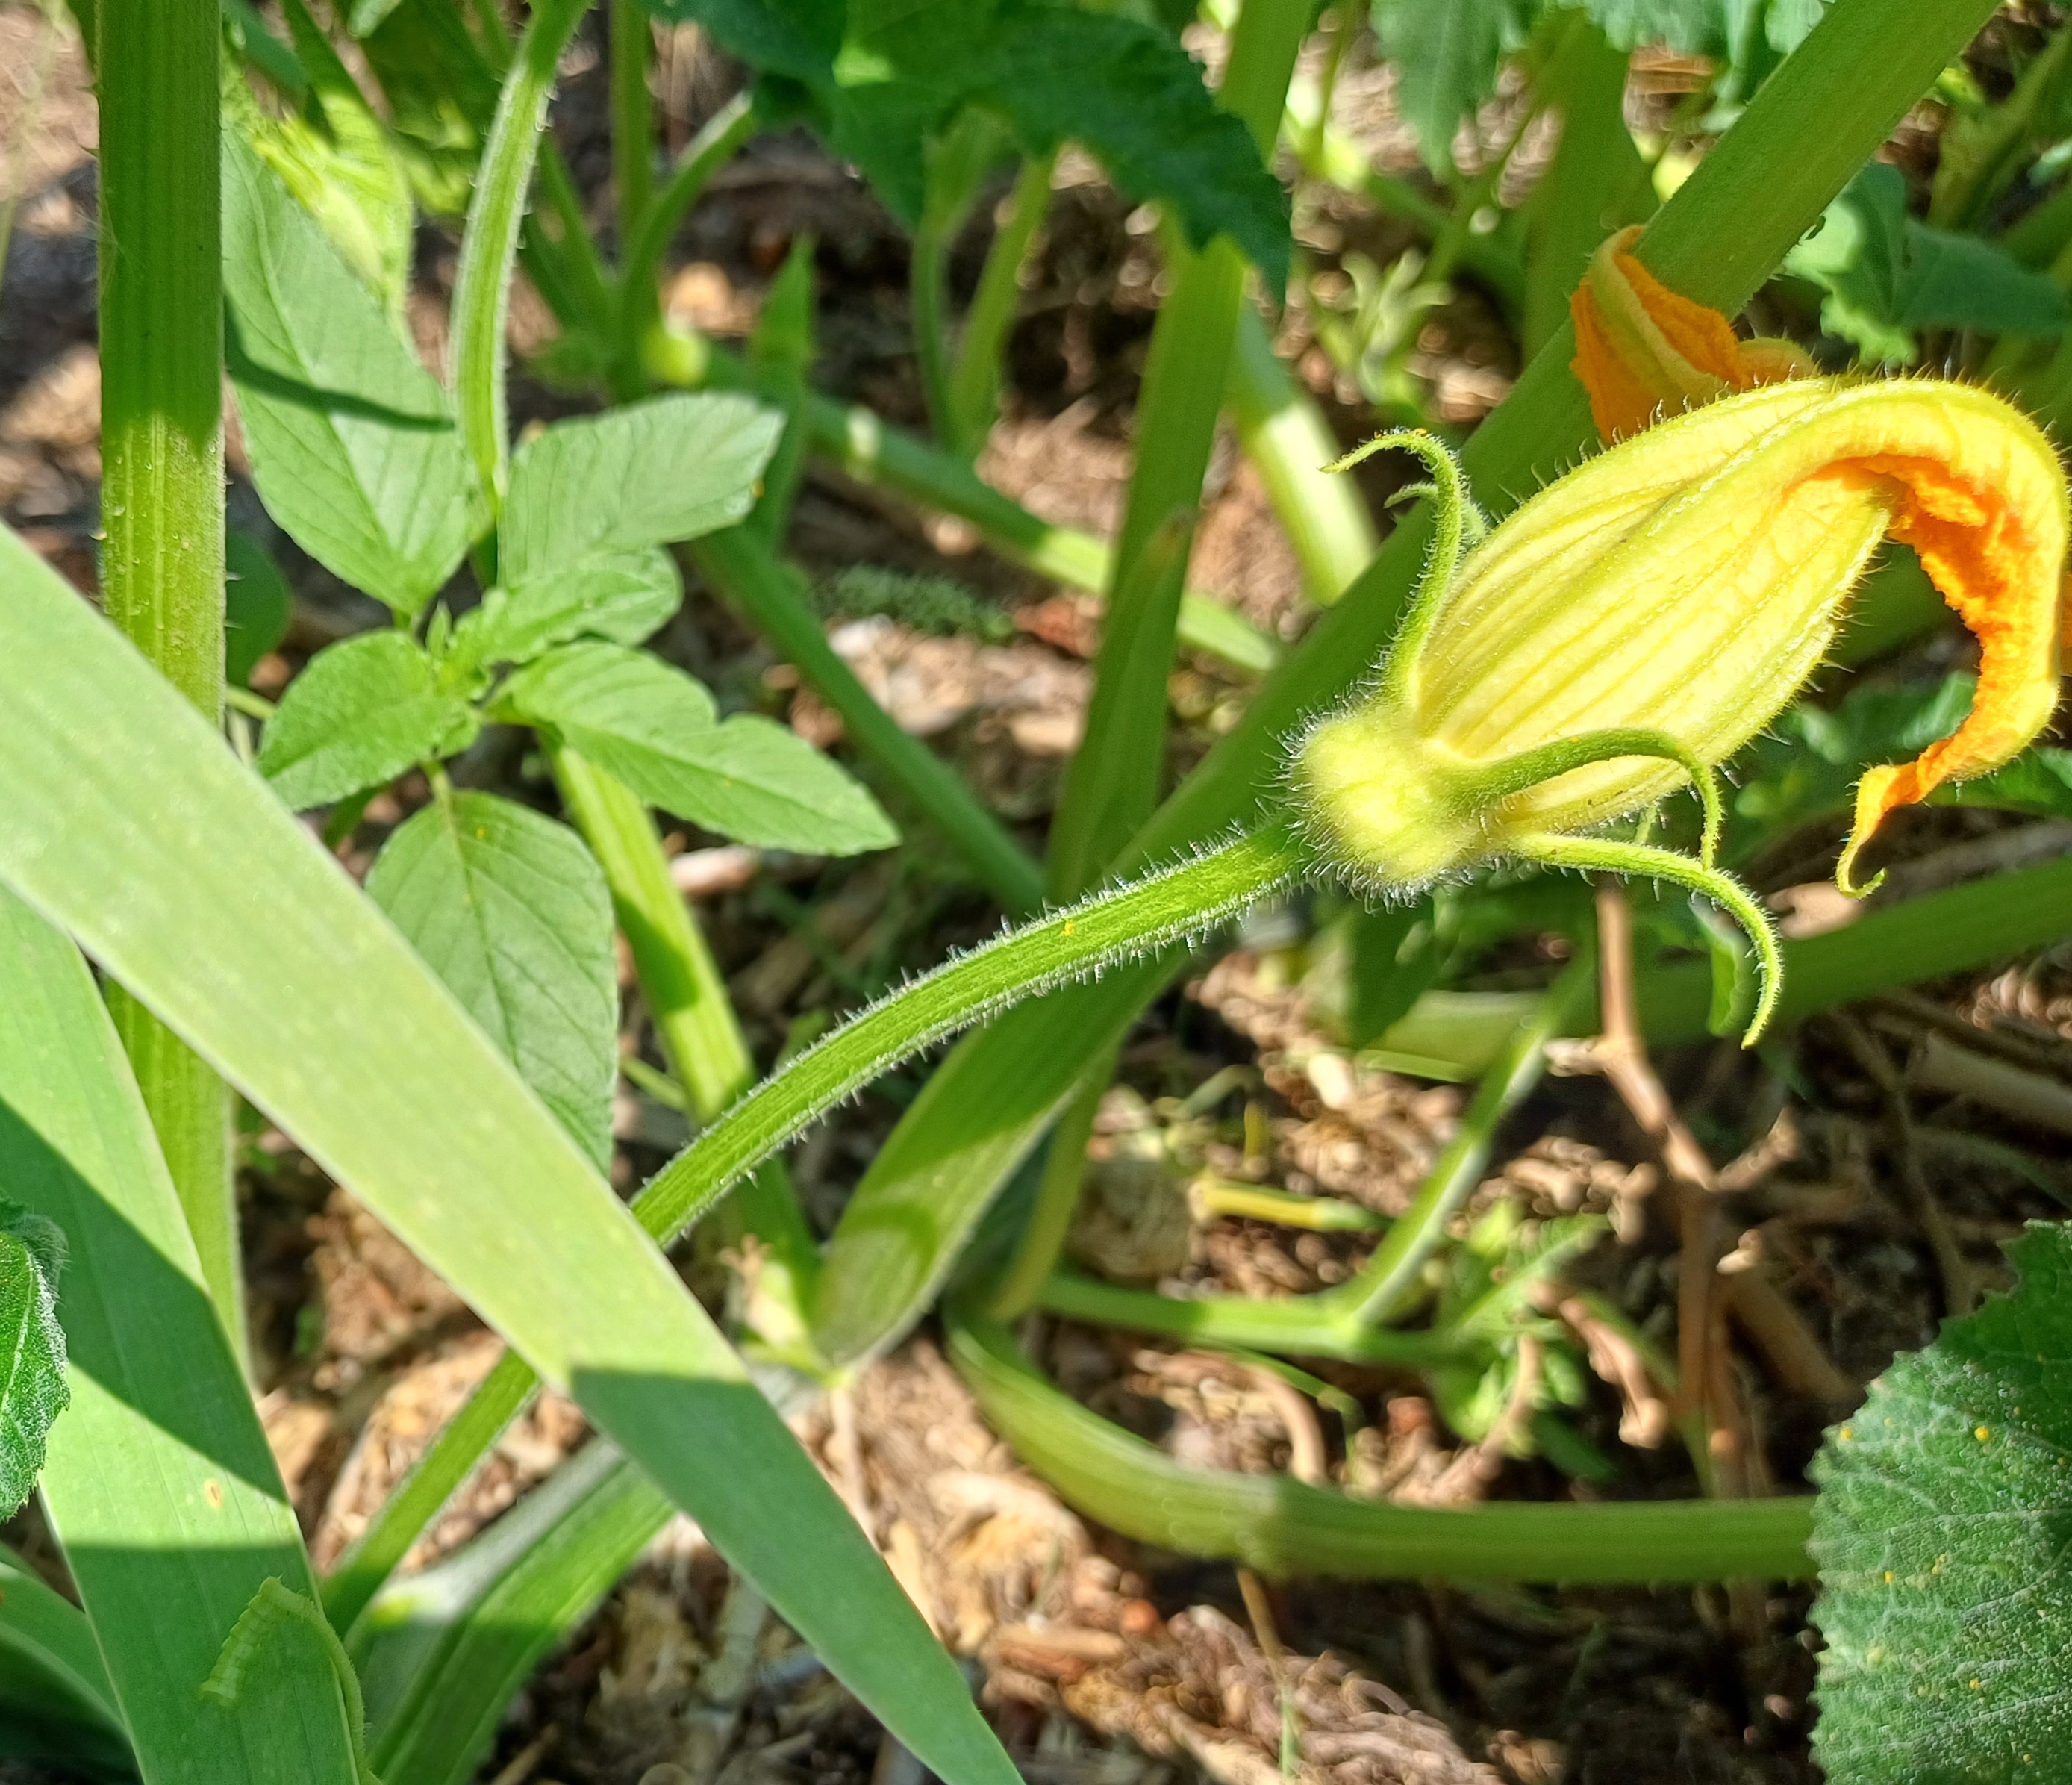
pixel 1643 352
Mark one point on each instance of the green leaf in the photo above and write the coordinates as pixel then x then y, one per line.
pixel 1945 1509
pixel 282 1662
pixel 350 440
pixel 653 727
pixel 362 711
pixel 1446 60
pixel 621 596
pixel 257 604
pixel 650 473
pixel 797 38
pixel 32 1348
pixel 1886 275
pixel 443 1651
pixel 128 821
pixel 55 1700
pixel 511 910
pixel 334 155
pixel 158 1480
pixel 1128 93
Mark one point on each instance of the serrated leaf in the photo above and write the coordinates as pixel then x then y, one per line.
pixel 653 727
pixel 33 1391
pixel 512 912
pixel 645 475
pixel 621 596
pixel 361 712
pixel 257 604
pixel 1131 96
pixel 351 445
pixel 1884 275
pixel 1941 1531
pixel 796 38
pixel 1446 60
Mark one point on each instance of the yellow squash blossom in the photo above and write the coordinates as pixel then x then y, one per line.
pixel 1639 620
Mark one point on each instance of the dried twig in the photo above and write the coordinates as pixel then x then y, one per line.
pixel 1960 1286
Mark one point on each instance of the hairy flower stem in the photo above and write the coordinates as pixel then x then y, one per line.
pixel 162 490
pixel 1074 943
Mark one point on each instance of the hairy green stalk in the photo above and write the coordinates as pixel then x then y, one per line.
pixel 685 993
pixel 1112 927
pixel 1279 1526
pixel 1075 944
pixel 162 490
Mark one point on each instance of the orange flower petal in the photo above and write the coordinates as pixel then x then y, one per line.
pixel 1641 348
pixel 1992 534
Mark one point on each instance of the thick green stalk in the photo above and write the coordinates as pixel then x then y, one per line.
pixel 647 240
pixel 1112 782
pixel 974 383
pixel 681 982
pixel 1043 1239
pixel 1300 1325
pixel 1283 433
pixel 1279 1526
pixel 740 565
pixel 161 490
pixel 632 116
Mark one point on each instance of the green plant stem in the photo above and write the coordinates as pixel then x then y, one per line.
pixel 1377 1291
pixel 857 442
pixel 632 116
pixel 1072 943
pixel 1284 435
pixel 1112 782
pixel 721 138
pixel 481 286
pixel 1316 1214
pixel 975 379
pixel 433 1480
pixel 1348 1322
pixel 1279 1526
pixel 161 492
pixel 1299 1326
pixel 740 565
pixel 1043 1239
pixel 685 994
